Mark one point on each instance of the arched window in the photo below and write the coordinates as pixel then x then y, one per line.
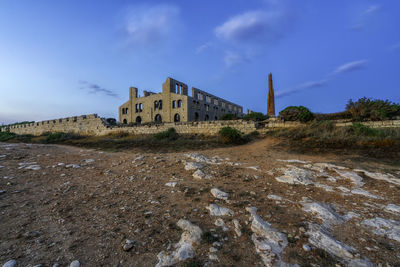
pixel 125 121
pixel 216 118
pixel 138 120
pixel 196 116
pixel 177 118
pixel 179 103
pixel 174 104
pixel 206 118
pixel 140 107
pixel 155 105
pixel 160 104
pixel 158 118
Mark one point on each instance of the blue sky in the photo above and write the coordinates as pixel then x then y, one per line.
pixel 69 57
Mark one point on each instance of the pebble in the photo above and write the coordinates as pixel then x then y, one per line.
pixel 10 263
pixel 75 263
pixel 129 244
pixel 306 247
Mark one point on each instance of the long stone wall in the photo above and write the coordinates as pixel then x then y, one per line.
pixel 94 125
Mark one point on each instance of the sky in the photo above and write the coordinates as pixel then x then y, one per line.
pixel 72 57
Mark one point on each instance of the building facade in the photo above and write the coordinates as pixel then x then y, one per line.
pixel 174 104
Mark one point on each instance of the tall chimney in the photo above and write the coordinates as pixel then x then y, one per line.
pixel 271 98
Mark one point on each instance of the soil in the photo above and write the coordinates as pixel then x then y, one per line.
pixel 57 214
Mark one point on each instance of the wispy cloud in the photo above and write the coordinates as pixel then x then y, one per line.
pixel 363 17
pixel 151 24
pixel 350 66
pixel 395 46
pixel 268 23
pixel 344 68
pixel 94 89
pixel 234 58
pixel 203 47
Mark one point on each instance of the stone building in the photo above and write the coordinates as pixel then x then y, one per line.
pixel 174 104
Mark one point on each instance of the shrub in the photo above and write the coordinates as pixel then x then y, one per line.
pixel 228 117
pixel 229 135
pixel 170 134
pixel 60 137
pixel 360 129
pixel 332 116
pixel 366 108
pixel 294 113
pixel 5 136
pixel 255 116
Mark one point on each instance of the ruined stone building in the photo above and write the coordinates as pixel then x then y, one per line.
pixel 174 104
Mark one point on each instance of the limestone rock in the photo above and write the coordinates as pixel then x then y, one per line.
pixel 384 227
pixel 324 212
pixel 129 244
pixel 359 191
pixel 295 175
pixel 219 194
pixel 75 263
pixel 193 166
pixel 199 174
pixel 216 210
pixel 185 248
pixel 384 177
pixel 354 177
pixel 171 184
pixel 393 209
pixel 10 263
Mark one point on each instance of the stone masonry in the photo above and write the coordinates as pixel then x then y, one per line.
pixel 271 97
pixel 174 104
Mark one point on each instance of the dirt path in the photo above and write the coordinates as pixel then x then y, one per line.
pixel 60 204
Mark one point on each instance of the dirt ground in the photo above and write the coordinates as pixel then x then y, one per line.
pixel 55 212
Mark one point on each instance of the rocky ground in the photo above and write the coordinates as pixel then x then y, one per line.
pixel 250 205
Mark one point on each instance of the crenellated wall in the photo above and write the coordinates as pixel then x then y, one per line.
pixel 94 125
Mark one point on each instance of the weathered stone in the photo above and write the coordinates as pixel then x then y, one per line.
pixel 295 175
pixel 75 263
pixel 216 210
pixel 10 263
pixel 193 166
pixel 199 174
pixel 219 194
pixel 384 227
pixel 323 212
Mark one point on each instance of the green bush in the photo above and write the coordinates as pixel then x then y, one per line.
pixel 60 137
pixel 255 116
pixel 332 116
pixel 360 129
pixel 294 113
pixel 5 136
pixel 229 135
pixel 372 109
pixel 228 117
pixel 170 134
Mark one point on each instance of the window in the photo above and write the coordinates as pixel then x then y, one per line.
pixel 207 107
pixel 126 111
pixel 177 89
pixel 215 101
pixel 160 104
pixel 125 122
pixel 174 104
pixel 199 96
pixel 138 120
pixel 179 103
pixel 137 108
pixel 155 105
pixel 158 118
pixel 208 99
pixel 223 104
pixel 177 118
pixel 196 116
pixel 140 107
pixel 206 118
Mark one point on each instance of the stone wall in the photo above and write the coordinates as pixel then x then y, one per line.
pixel 94 125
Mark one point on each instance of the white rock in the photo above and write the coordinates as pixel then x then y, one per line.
pixel 75 263
pixel 219 194
pixel 185 248
pixel 306 247
pixel 219 222
pixel 256 168
pixel 199 174
pixel 10 263
pixel 33 167
pixel 393 208
pixel 237 227
pixel 384 177
pixel 354 177
pixel 343 189
pixel 269 243
pixel 193 166
pixel 61 164
pixel 389 228
pixel 359 191
pixel 198 157
pixel 171 184
pixel 320 238
pixel 1 167
pixel 213 257
pixel 324 186
pixel 129 244
pixel 275 197
pixel 293 161
pixel 328 166
pixel 137 159
pixel 323 212
pixel 350 215
pixel 74 166
pixel 88 161
pixel 216 210
pixel 295 175
pixel 2 192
